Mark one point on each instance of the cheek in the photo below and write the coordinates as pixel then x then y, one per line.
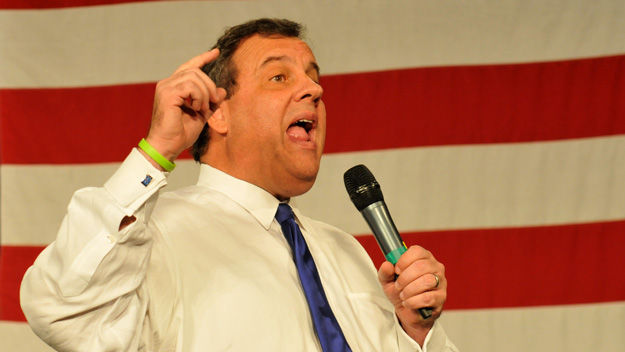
pixel 321 111
pixel 265 122
pixel 255 124
pixel 270 121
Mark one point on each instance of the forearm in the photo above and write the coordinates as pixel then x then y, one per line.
pixel 85 285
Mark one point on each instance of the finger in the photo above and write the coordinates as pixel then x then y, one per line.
pixel 221 95
pixel 215 96
pixel 386 274
pixel 414 253
pixel 194 95
pixel 196 90
pixel 199 61
pixel 413 272
pixel 422 284
pixel 425 299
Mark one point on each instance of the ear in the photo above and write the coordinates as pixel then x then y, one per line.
pixel 217 121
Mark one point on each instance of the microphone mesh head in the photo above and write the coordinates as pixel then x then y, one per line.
pixel 362 187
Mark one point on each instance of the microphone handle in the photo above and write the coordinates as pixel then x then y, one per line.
pixel 388 238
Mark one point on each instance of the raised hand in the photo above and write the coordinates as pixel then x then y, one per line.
pixel 182 104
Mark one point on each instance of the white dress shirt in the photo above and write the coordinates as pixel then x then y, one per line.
pixel 206 268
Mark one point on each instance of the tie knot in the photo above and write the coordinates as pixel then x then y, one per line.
pixel 284 213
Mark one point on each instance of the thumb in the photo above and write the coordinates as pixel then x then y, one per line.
pixel 386 274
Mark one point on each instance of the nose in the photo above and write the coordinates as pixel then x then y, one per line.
pixel 309 89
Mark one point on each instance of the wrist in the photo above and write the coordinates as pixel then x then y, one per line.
pixel 418 334
pixel 155 157
pixel 418 331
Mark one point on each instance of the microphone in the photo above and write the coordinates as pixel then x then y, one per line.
pixel 365 193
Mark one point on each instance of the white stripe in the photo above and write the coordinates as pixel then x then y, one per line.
pixel 589 327
pixel 145 42
pixel 481 186
pixel 437 188
pixel 35 197
pixel 19 337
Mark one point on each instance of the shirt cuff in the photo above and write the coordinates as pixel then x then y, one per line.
pixel 135 182
pixel 435 341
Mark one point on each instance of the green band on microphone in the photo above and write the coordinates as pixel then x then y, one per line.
pixel 393 256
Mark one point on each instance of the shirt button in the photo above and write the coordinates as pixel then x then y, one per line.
pixel 111 238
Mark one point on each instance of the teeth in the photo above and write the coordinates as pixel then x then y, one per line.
pixel 305 123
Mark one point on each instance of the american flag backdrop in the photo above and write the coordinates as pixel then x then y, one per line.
pixel 495 128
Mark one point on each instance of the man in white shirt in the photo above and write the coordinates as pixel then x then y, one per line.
pixel 207 267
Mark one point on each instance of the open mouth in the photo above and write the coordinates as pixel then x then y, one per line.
pixel 300 129
pixel 305 124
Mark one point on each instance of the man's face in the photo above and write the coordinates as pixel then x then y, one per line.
pixel 276 119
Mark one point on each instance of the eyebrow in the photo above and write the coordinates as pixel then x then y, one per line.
pixel 311 66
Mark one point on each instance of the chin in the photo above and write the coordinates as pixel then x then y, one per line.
pixel 299 188
pixel 298 180
pixel 296 186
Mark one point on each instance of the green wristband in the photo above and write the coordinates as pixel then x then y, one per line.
pixel 154 154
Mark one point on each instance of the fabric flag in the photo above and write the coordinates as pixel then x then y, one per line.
pixel 496 131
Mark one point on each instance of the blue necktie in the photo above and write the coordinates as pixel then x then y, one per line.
pixel 328 329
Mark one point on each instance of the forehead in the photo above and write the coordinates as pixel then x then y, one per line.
pixel 257 51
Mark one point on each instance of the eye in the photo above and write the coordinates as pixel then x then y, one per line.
pixel 278 78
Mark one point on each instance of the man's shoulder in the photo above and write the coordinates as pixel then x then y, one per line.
pixel 186 193
pixel 188 198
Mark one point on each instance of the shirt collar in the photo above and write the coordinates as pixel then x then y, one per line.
pixel 258 202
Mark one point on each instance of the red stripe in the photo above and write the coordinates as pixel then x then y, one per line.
pixel 515 267
pixel 14 261
pixel 73 126
pixel 478 104
pixel 54 4
pixel 368 111
pixel 519 267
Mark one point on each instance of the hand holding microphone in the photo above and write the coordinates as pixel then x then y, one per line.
pixel 365 193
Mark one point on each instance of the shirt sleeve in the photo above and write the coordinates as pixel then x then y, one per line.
pixel 435 341
pixel 84 292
